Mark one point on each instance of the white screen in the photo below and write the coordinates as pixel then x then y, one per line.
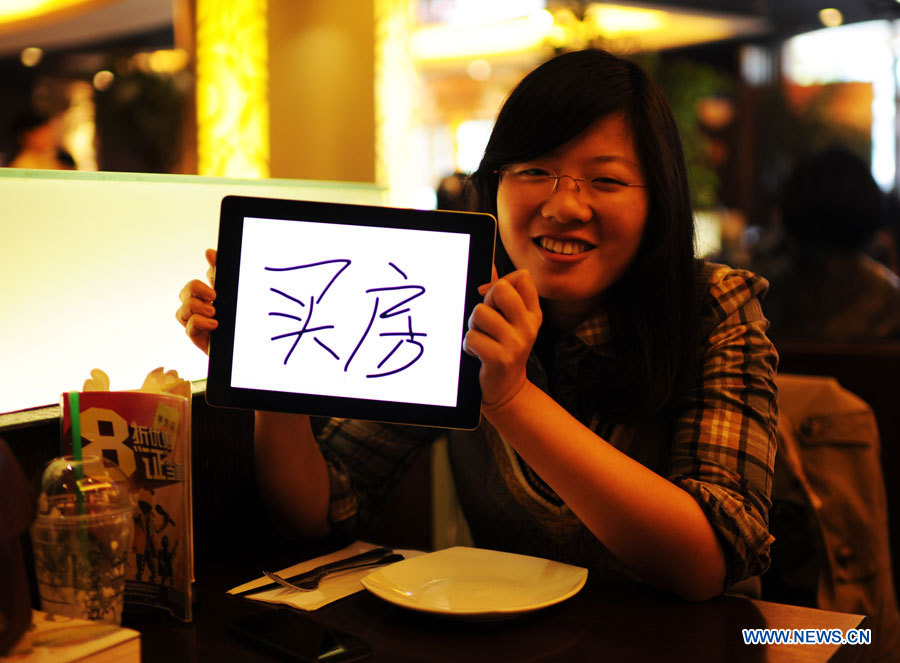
pixel 352 311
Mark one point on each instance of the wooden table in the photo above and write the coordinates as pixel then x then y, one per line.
pixel 605 621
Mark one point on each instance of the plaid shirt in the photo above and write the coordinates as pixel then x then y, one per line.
pixel 719 446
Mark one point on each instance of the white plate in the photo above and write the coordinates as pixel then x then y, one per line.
pixel 475 583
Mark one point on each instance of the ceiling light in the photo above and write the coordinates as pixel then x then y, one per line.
pixel 19 10
pixel 510 36
pixel 621 27
pixel 616 20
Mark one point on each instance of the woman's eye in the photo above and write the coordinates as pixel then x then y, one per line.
pixel 532 172
pixel 607 181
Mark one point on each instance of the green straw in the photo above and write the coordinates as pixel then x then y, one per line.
pixel 75 416
pixel 74 412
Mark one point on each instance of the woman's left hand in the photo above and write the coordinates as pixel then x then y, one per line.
pixel 502 331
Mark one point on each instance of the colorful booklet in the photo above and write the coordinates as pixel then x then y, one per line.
pixel 147 434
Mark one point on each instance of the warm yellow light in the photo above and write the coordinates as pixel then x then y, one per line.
pixel 168 61
pixel 31 56
pixel 164 61
pixel 396 106
pixel 20 10
pixel 615 20
pixel 81 125
pixel 830 17
pixel 232 88
pixel 479 70
pixel 510 36
pixel 621 26
pixel 103 79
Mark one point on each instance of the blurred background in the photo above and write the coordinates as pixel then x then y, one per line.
pixel 403 92
pixel 400 95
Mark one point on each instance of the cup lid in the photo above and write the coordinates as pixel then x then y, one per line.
pixel 90 487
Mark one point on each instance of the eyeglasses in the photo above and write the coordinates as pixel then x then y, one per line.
pixel 542 183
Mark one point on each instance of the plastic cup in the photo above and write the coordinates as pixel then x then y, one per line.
pixel 81 537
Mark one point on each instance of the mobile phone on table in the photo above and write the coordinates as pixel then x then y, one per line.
pixel 296 637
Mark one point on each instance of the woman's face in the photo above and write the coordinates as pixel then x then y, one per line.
pixel 576 244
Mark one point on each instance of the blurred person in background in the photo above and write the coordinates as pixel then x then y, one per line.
pixel 829 289
pixel 38 140
pixel 886 245
pixel 450 192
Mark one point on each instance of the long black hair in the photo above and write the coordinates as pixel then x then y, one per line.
pixel 653 307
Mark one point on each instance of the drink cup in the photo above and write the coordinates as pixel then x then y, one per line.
pixel 81 537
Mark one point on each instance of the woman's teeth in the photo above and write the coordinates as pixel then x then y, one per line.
pixel 565 246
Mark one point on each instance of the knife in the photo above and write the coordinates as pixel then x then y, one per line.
pixel 374 554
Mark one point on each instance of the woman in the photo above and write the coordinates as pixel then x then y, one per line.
pixel 629 399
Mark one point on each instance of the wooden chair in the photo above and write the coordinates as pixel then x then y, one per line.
pixel 872 372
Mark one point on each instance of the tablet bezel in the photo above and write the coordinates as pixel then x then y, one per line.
pixel 481 229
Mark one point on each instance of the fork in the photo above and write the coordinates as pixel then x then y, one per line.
pixel 311 582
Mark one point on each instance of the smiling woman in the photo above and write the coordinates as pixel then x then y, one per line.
pixel 625 127
pixel 628 402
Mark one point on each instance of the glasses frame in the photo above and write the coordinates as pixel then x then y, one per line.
pixel 575 180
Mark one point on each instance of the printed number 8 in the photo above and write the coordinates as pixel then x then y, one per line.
pixel 106 431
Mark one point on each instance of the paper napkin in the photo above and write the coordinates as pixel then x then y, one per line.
pixel 333 587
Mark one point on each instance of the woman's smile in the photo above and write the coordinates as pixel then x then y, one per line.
pixel 562 246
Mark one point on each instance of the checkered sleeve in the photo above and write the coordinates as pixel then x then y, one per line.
pixel 724 445
pixel 365 461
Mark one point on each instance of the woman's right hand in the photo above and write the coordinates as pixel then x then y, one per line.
pixel 196 311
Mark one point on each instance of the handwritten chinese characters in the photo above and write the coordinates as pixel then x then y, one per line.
pixel 351 311
pixel 390 301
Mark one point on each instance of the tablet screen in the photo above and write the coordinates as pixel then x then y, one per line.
pixel 348 310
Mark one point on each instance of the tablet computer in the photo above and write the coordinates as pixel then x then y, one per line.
pixel 349 311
